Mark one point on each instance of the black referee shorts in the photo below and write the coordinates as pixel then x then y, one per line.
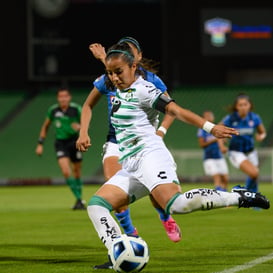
pixel 67 148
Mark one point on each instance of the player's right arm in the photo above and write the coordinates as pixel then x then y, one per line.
pixel 42 136
pixel 84 142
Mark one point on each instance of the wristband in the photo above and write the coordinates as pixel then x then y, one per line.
pixel 41 140
pixel 162 129
pixel 208 126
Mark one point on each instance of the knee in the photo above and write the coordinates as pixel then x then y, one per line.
pixel 97 200
pixel 66 173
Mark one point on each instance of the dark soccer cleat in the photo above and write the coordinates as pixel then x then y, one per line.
pixel 251 199
pixel 79 205
pixel 107 265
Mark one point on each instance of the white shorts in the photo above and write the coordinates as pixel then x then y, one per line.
pixel 129 184
pixel 236 158
pixel 215 166
pixel 143 172
pixel 110 149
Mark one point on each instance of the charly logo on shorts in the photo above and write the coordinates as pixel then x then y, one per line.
pixel 162 175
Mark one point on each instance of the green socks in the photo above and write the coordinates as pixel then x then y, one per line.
pixel 75 185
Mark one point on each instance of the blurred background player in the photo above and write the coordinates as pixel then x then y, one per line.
pixel 65 116
pixel 214 162
pixel 241 150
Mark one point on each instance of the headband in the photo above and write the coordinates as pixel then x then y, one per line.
pixel 132 41
pixel 120 51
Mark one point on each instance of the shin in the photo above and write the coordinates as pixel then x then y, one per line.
pixel 105 225
pixel 201 199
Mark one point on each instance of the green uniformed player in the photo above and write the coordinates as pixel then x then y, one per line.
pixel 65 116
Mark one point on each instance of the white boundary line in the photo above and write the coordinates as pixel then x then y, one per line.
pixel 248 264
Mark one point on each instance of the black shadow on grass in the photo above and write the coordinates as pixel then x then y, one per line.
pixel 48 247
pixel 70 251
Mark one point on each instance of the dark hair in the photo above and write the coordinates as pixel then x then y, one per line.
pixel 147 64
pixel 241 95
pixel 124 51
pixel 63 88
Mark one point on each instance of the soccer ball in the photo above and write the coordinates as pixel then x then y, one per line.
pixel 128 254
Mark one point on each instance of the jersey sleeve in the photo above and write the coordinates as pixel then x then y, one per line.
pixel 49 113
pixel 226 121
pixel 257 120
pixel 200 132
pixel 159 84
pixel 149 94
pixel 99 83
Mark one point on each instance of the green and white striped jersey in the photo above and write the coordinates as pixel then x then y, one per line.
pixel 134 118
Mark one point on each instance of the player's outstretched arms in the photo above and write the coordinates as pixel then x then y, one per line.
pixel 219 131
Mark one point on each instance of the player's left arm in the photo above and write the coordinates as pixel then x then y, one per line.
pixel 261 132
pixel 168 106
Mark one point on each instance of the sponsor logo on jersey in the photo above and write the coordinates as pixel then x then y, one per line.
pixel 59 114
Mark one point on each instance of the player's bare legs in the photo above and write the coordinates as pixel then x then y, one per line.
pixel 252 172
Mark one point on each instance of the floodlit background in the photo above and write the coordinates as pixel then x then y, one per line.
pixel 209 51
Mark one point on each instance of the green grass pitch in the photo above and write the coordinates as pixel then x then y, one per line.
pixel 39 233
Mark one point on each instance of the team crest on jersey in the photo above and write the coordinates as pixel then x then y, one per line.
pixel 129 94
pixel 251 123
pixel 59 114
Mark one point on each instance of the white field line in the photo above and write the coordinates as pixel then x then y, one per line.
pixel 248 264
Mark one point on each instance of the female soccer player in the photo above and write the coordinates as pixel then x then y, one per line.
pixel 65 115
pixel 147 165
pixel 214 163
pixel 242 153
pixel 111 152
